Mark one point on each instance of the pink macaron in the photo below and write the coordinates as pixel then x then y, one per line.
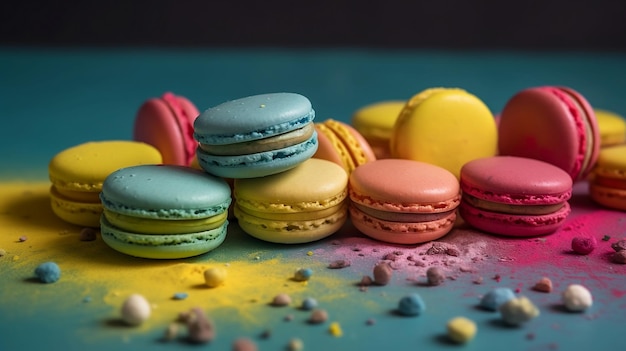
pixel 167 124
pixel 552 124
pixel 514 196
pixel 403 201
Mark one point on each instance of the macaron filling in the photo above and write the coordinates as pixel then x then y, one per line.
pixel 345 142
pixel 403 217
pixel 441 225
pixel 512 208
pixel 159 226
pixel 294 222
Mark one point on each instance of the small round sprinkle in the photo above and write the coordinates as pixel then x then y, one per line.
pixel 543 285
pixel 295 344
pixel 518 310
pixel 309 253
pixel 303 274
pixel 214 277
pixel 281 300
pixel 135 309
pixel 48 272
pixel 382 273
pixel 87 234
pixel 411 305
pixel 244 344
pixel 23 238
pixel 335 329
pixel 584 245
pixel 577 298
pixel 435 276
pixel 461 329
pixel 180 296
pixel 318 316
pixel 495 298
pixel 309 303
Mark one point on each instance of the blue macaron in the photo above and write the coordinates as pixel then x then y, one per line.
pixel 161 211
pixel 256 135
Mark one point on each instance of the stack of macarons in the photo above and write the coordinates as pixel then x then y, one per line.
pixel 164 211
pixel 77 174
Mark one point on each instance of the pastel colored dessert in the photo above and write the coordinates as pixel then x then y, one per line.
pixel 514 196
pixel 303 204
pixel 256 136
pixel 552 124
pixel 164 211
pixel 167 124
pixel 612 128
pixel 77 174
pixel 403 201
pixel 607 186
pixel 446 127
pixel 375 123
pixel 340 143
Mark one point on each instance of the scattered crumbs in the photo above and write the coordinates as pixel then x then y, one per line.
pixel 288 318
pixel 214 277
pixel 200 329
pixel 606 238
pixel 619 257
pixel 171 332
pixel 518 310
pixel 584 245
pixel 382 273
pixel 295 344
pixel 244 344
pixel 281 300
pixel 22 238
pixel 335 329
pixel 543 285
pixel 478 280
pixel 435 276
pixel 577 298
pixel 87 299
pixel 47 272
pixel 370 321
pixel 318 316
pixel 180 296
pixel 266 334
pixel 619 245
pixel 303 274
pixel 337 264
pixel 87 234
pixel 135 310
pixel 309 253
pixel 3 252
pixel 461 329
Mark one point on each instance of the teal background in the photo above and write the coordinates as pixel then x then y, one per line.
pixel 51 99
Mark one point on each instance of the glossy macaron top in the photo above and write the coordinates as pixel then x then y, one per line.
pixel 252 118
pixel 340 143
pixel 84 167
pixel 553 124
pixel 313 185
pixel 515 180
pixel 165 192
pixel 167 124
pixel 399 185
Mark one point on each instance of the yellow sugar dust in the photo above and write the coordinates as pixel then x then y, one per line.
pixel 461 329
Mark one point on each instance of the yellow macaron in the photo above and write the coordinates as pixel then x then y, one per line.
pixel 375 123
pixel 612 127
pixel 77 174
pixel 446 127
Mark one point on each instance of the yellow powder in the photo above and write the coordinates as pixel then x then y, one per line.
pixel 91 269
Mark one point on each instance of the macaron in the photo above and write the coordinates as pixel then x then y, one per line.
pixel 607 186
pixel 77 174
pixel 514 196
pixel 340 143
pixel 403 201
pixel 612 128
pixel 552 124
pixel 446 127
pixel 303 204
pixel 375 123
pixel 256 135
pixel 166 123
pixel 164 211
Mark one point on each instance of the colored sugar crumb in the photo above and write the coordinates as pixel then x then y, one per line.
pixel 295 344
pixel 303 274
pixel 518 310
pixel 335 329
pixel 619 257
pixel 411 305
pixel 214 277
pixel 382 273
pixel 244 344
pixel 308 304
pixel 22 238
pixel 435 276
pixel 281 300
pixel 2 252
pixel 543 285
pixel 87 234
pixel 318 316
pixel 492 300
pixel 461 329
pixel 577 298
pixel 48 272
pixel 180 296
pixel 135 310
pixel 584 245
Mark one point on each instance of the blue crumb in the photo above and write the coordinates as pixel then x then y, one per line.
pixel 411 305
pixel 496 297
pixel 48 272
pixel 309 303
pixel 180 296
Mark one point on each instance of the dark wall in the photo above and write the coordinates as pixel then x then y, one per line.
pixel 448 24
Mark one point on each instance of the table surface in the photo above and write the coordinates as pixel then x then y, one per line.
pixel 54 99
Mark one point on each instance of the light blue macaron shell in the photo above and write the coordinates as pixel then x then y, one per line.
pixel 252 118
pixel 165 192
pixel 259 164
